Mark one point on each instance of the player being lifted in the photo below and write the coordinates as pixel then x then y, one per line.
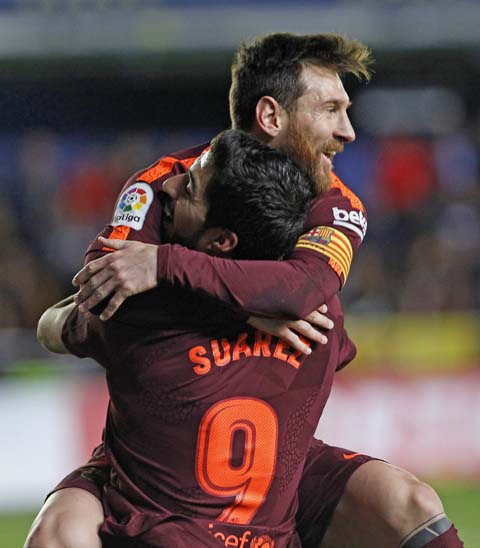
pixel 191 367
pixel 287 91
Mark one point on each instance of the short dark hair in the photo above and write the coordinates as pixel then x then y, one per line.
pixel 272 64
pixel 258 193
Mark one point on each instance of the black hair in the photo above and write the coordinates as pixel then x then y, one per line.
pixel 272 64
pixel 258 193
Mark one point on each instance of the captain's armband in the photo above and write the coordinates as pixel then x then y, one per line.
pixel 331 243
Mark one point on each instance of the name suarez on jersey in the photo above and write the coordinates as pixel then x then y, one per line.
pixel 221 352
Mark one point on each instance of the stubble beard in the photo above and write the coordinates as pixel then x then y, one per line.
pixel 298 147
pixel 167 226
pixel 192 241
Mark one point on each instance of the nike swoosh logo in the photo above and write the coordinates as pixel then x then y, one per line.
pixel 350 456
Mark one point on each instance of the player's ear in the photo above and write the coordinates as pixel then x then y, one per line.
pixel 270 117
pixel 218 241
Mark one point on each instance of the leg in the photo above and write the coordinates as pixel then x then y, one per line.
pixel 349 500
pixel 382 507
pixel 326 472
pixel 70 518
pixel 73 513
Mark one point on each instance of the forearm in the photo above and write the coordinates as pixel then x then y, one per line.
pixel 49 328
pixel 284 289
pixel 289 289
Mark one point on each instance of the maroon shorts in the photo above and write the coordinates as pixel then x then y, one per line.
pixel 90 477
pixel 326 472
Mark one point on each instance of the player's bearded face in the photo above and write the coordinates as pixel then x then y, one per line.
pixel 317 124
pixel 311 159
pixel 184 206
pixel 188 240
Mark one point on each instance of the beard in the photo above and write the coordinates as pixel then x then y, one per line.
pixel 302 151
pixel 168 234
pixel 191 241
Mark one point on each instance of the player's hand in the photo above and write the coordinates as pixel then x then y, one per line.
pixel 293 331
pixel 130 269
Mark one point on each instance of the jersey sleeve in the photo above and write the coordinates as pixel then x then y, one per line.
pixel 82 334
pixel 137 214
pixel 138 211
pixel 317 269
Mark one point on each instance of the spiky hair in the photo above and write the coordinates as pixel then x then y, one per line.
pixel 272 64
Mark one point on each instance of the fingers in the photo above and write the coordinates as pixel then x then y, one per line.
pixel 83 275
pixel 113 305
pixel 96 296
pixel 98 286
pixel 294 341
pixel 293 333
pixel 90 269
pixel 99 294
pixel 308 331
pixel 116 275
pixel 113 244
pixel 319 320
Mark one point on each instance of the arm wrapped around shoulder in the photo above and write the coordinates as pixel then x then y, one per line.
pixel 50 325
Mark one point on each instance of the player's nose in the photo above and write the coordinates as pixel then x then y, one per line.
pixel 345 131
pixel 172 186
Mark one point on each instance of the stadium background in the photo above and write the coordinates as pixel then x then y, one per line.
pixel 91 91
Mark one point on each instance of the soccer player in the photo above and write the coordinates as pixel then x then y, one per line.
pixel 209 420
pixel 286 90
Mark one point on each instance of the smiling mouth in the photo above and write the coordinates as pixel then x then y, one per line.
pixel 332 148
pixel 328 158
pixel 330 155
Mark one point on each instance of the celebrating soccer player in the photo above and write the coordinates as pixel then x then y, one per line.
pixel 287 91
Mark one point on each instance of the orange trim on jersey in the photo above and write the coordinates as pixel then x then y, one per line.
pixel 347 193
pixel 165 166
pixel 350 456
pixel 155 172
pixel 337 269
pixel 188 163
pixel 118 233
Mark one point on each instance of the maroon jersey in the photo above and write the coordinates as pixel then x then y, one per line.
pixel 194 409
pixel 310 277
pixel 138 210
pixel 205 434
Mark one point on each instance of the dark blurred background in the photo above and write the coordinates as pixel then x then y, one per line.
pixel 92 91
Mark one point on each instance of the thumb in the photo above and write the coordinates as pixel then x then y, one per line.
pixel 112 244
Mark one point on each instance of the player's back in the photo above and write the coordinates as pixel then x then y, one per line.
pixel 209 425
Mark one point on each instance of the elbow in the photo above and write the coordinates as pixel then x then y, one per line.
pixel 43 331
pixel 47 335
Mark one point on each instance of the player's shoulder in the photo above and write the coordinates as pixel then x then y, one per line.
pixel 339 196
pixel 341 208
pixel 340 192
pixel 170 164
pixel 139 195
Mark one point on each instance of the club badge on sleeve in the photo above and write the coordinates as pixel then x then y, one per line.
pixel 133 205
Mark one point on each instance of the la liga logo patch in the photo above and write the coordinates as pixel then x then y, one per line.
pixel 133 205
